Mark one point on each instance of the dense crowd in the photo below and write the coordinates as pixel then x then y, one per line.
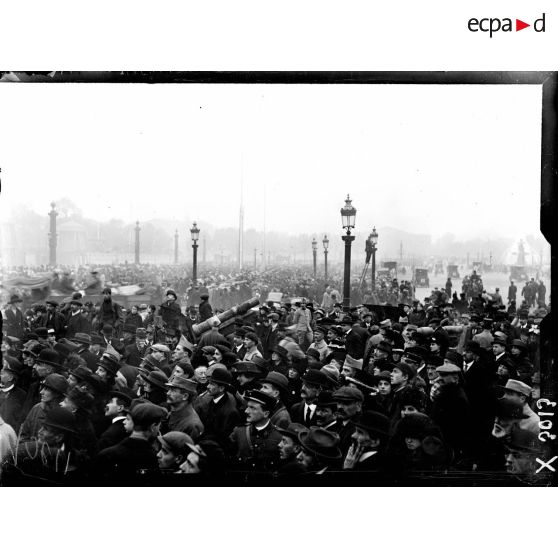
pixel 299 391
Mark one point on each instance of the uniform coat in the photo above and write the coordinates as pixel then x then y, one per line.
pixel 256 449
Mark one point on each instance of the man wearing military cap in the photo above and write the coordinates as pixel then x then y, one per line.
pixel 115 410
pixel 289 447
pixel 182 415
pixel 255 445
pixel 349 401
pixel 304 412
pixel 277 385
pixel 521 452
pixel 52 392
pixel 135 454
pixel 367 449
pixel 319 450
pixel 520 393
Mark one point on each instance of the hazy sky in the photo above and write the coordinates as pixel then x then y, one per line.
pixel 424 158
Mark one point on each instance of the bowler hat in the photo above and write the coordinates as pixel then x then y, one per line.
pixel 454 357
pixel 61 419
pixel 278 380
pixel 416 354
pixel 267 401
pixel 320 442
pixel 185 384
pixel 260 363
pixel 52 303
pixel 415 425
pixel 76 302
pixel 292 431
pixel 372 422
pixel 473 347
pixel 146 414
pixel 125 395
pixel 96 339
pixel 42 332
pixel 314 353
pixel 519 344
pixel 171 293
pixel 384 346
pixel 348 393
pixel 15 298
pixel 109 365
pixel 50 357
pixel 316 377
pixel 220 375
pixel 56 382
pixel 157 378
pixel 107 291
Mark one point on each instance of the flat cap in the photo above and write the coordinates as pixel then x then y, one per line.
pixel 518 387
pixel 448 369
pixel 348 393
pixel 146 414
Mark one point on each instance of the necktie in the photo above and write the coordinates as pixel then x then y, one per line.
pixel 308 416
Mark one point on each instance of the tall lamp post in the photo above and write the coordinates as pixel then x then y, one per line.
pixel 175 247
pixel 137 245
pixel 52 236
pixel 314 254
pixel 348 216
pixel 325 242
pixel 195 232
pixel 373 242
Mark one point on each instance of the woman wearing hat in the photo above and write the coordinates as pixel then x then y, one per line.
pixel 52 456
pixel 15 323
pixel 280 360
pixel 52 392
pixel 80 403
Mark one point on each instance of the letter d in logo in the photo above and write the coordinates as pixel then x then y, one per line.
pixel 539 25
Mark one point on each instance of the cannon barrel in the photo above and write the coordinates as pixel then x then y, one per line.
pixel 239 310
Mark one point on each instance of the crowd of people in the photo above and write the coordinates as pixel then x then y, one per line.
pixel 299 392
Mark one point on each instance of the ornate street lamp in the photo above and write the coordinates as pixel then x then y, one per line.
pixel 314 254
pixel 348 217
pixel 195 233
pixel 325 242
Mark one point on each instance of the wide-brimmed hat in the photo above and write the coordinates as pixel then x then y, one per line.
pixel 316 377
pixel 320 442
pixel 15 298
pixel 220 375
pixel 81 373
pixel 12 365
pixel 61 419
pixel 292 431
pixel 157 378
pixel 372 422
pixel 56 382
pixel 81 398
pixel 248 368
pixel 82 338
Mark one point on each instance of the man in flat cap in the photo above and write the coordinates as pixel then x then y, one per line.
pixel 255 445
pixel 136 454
pixel 349 401
pixel 289 447
pixel 520 393
pixel 174 447
pixel 182 415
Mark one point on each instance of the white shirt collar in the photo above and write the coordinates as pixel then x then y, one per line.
pixel 217 399
pixel 6 390
pixel 259 428
pixel 116 419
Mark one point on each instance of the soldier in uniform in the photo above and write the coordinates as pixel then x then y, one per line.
pixel 255 445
